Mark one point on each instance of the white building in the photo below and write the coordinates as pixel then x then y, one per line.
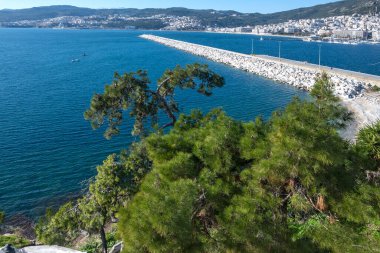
pixel 244 29
pixel 376 35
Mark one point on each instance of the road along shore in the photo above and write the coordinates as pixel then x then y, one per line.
pixel 352 87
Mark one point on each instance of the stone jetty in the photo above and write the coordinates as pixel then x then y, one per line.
pixel 348 84
pixel 351 87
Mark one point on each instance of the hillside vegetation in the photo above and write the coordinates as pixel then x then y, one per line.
pixel 207 17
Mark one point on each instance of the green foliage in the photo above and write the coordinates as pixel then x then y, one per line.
pixel 207 17
pixel 117 180
pixel 106 194
pixel 94 245
pixel 99 206
pixel 192 179
pixel 111 239
pixel 14 240
pixel 166 229
pixel 58 228
pixel 291 184
pixel 214 184
pixel 330 110
pixel 369 142
pixel 301 230
pixel 2 217
pixel 131 92
pixel 375 88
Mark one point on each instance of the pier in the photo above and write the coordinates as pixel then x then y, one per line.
pixel 348 84
pixel 352 87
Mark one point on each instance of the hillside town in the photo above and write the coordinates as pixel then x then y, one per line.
pixel 350 29
pixel 341 29
pixel 116 21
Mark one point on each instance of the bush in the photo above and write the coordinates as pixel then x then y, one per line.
pixel 111 239
pixel 375 88
pixel 92 246
pixel 16 241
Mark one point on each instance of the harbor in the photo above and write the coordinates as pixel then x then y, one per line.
pixel 353 88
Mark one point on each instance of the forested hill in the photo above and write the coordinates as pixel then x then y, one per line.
pixel 207 17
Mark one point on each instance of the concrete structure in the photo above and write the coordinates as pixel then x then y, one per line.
pixel 376 35
pixel 48 249
pixel 117 248
pixel 344 28
pixel 38 249
pixel 290 30
pixel 244 29
pixel 350 34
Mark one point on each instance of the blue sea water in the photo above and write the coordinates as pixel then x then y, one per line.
pixel 46 147
pixel 363 58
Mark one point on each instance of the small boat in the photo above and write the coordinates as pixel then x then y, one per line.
pixel 75 60
pixel 261 38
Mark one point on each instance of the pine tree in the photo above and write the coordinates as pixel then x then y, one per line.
pixel 131 92
pixel 291 184
pixel 117 180
pixel 59 228
pixel 195 173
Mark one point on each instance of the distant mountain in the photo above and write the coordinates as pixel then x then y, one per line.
pixel 206 17
pixel 339 8
pixel 38 13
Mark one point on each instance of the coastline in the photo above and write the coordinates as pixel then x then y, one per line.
pixel 295 38
pixel 200 31
pixel 260 34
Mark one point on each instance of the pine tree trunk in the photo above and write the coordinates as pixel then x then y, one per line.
pixel 104 240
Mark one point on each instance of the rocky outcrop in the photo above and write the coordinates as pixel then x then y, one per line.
pixel 117 248
pixel 8 249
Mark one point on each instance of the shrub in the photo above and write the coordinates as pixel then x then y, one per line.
pixel 14 240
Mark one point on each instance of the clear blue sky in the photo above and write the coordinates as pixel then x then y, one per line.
pixel 263 6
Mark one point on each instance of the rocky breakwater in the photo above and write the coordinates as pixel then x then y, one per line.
pixel 298 74
pixel 348 85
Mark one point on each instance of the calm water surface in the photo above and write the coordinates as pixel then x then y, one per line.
pixel 46 147
pixel 362 58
